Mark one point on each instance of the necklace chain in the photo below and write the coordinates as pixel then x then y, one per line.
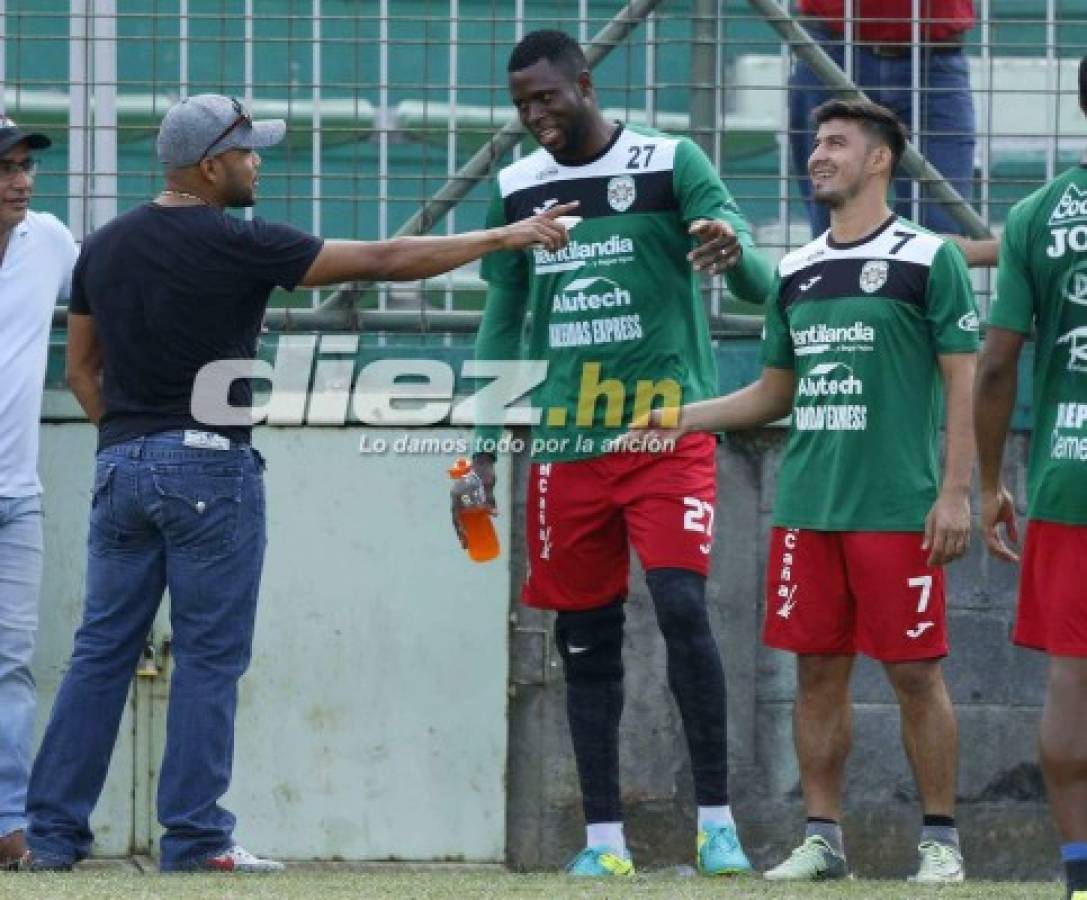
pixel 173 193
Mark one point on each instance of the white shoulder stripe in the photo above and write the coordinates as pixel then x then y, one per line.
pixel 538 166
pixel 901 241
pixel 655 153
pixel 802 258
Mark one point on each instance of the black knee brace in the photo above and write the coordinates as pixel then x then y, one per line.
pixel 591 643
pixel 679 598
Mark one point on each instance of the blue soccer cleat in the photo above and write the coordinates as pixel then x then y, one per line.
pixel 599 862
pixel 720 853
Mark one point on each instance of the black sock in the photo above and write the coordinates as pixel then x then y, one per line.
pixel 939 821
pixel 696 677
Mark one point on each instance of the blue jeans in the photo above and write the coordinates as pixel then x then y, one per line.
pixel 20 585
pixel 947 120
pixel 163 515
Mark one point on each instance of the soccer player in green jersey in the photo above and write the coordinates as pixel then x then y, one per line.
pixel 1042 286
pixel 864 325
pixel 619 318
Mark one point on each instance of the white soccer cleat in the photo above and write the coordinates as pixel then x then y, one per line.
pixel 814 860
pixel 940 864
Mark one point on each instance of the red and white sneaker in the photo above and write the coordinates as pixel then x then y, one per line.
pixel 238 859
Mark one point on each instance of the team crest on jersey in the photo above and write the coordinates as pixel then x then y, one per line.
pixel 621 193
pixel 874 275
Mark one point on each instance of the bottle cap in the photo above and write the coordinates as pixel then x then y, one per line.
pixel 461 467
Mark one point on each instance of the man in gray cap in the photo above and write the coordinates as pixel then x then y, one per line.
pixel 36 257
pixel 158 293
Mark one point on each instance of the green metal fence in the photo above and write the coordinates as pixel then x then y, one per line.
pixel 386 99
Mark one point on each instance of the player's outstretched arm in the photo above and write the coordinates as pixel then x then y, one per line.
pixel 978 251
pixel 994 399
pixel 764 401
pixel 947 526
pixel 408 258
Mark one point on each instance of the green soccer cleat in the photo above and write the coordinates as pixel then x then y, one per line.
pixel 720 853
pixel 940 864
pixel 814 860
pixel 599 862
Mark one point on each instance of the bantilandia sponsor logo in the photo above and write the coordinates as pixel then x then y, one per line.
pixel 857 333
pixel 577 253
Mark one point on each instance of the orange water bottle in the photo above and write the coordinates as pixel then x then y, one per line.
pixel 470 502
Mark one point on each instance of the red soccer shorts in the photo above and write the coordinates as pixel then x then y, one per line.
pixel 1052 613
pixel 583 515
pixel 843 592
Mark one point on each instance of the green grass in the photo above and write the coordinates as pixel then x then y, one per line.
pixel 308 882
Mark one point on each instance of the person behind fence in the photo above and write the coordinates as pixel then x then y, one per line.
pixel 1041 293
pixel 36 258
pixel 882 66
pixel 178 502
pixel 865 323
pixel 618 310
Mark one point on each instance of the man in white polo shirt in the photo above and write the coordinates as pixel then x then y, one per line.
pixel 36 258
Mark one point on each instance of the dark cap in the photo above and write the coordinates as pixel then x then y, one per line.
pixel 206 125
pixel 11 134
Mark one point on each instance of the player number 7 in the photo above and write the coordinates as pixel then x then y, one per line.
pixel 905 238
pixel 925 583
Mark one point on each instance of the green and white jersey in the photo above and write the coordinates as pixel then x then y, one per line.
pixel 1043 283
pixel 617 313
pixel 862 325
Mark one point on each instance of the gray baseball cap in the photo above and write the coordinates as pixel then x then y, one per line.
pixel 209 124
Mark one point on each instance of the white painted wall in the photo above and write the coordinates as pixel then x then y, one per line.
pixel 372 722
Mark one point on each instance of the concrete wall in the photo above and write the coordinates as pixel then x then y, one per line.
pixel 997 690
pixel 326 522
pixel 371 722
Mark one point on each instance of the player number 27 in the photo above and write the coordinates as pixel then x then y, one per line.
pixel 636 160
pixel 699 517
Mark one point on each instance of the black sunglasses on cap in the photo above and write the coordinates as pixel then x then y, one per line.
pixel 241 117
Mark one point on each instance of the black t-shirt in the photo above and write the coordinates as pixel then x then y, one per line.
pixel 172 289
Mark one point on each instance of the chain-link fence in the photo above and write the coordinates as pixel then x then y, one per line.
pixel 387 100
